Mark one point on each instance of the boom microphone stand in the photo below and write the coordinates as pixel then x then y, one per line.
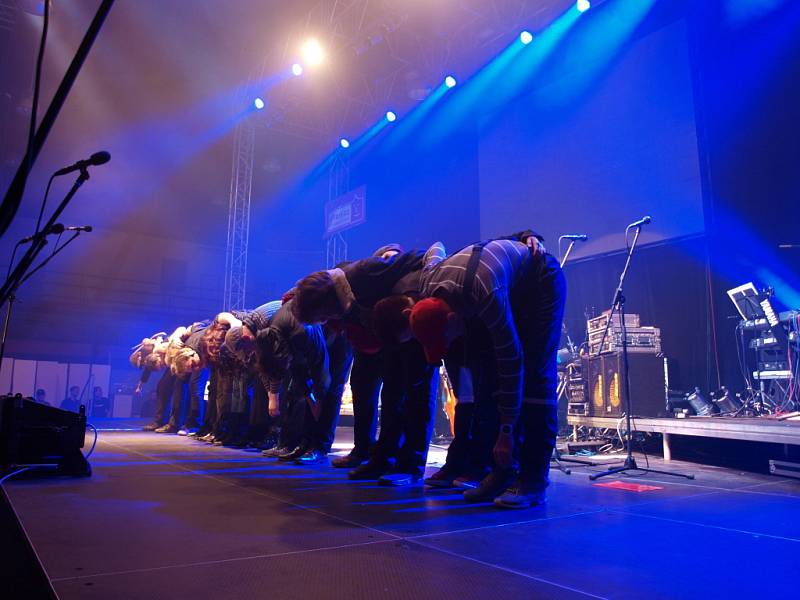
pixel 618 304
pixel 562 386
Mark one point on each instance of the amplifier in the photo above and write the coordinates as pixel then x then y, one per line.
pixel 580 409
pixel 606 388
pixel 599 323
pixel 645 340
pixel 32 433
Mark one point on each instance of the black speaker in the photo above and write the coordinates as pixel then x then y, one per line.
pixel 37 434
pixel 606 387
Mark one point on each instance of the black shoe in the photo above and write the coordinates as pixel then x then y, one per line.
pixel 167 429
pixel 276 451
pixel 151 426
pixel 400 479
pixel 491 486
pixel 371 469
pixel 348 461
pixel 312 457
pixel 235 441
pixel 292 454
pixel 443 478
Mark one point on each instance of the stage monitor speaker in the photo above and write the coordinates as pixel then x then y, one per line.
pixel 37 434
pixel 607 390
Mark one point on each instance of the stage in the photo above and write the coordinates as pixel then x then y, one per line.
pixel 167 517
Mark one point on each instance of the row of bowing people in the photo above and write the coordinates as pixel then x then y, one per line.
pixel 490 314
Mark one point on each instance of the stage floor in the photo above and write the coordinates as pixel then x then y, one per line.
pixel 167 517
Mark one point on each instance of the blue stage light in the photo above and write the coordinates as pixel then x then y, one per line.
pixel 450 81
pixel 526 37
pixel 390 116
pixel 258 103
pixel 344 143
pixel 583 5
pixel 297 69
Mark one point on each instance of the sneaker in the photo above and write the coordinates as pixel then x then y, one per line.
pixel 521 495
pixel 276 451
pixel 348 461
pixel 183 432
pixel 312 457
pixel 151 426
pixel 443 478
pixel 292 454
pixel 399 479
pixel 372 469
pixel 490 487
pixel 470 480
pixel 208 438
pixel 167 429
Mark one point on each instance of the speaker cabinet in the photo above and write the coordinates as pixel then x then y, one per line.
pixel 606 385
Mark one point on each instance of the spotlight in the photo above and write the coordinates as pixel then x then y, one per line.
pixel 258 103
pixel 526 37
pixel 297 69
pixel 312 53
pixel 583 5
pixel 390 116
pixel 344 143
pixel 450 81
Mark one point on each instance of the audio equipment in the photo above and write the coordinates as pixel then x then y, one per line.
pixel 606 390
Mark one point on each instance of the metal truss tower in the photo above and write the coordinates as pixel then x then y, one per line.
pixel 239 216
pixel 338 184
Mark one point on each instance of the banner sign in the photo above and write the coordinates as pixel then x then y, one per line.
pixel 346 211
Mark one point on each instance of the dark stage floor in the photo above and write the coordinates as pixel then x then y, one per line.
pixel 166 517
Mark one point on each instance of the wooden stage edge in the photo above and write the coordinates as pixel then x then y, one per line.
pixel 754 429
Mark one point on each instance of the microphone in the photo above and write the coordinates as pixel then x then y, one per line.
pixel 577 237
pixel 788 246
pixel 54 229
pixel 98 158
pixel 643 221
pixel 86 228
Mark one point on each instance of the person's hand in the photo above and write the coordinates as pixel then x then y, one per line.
pixel 503 451
pixel 274 406
pixel 536 246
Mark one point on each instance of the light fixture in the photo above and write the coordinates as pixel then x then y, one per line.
pixel 526 37
pixel 450 81
pixel 344 143
pixel 258 103
pixel 390 116
pixel 312 52
pixel 297 69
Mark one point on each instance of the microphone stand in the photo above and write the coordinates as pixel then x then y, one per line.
pixel 618 304
pixel 20 273
pixel 557 457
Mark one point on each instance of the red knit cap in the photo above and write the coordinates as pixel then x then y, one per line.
pixel 428 324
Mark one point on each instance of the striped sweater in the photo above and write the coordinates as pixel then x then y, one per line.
pixel 501 263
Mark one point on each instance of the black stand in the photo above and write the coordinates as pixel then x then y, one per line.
pixel 618 304
pixel 557 457
pixel 20 273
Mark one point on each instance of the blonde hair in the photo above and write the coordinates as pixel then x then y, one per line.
pixel 177 357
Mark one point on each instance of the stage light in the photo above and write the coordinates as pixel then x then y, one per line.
pixel 258 103
pixel 312 53
pixel 344 143
pixel 297 69
pixel 450 81
pixel 390 116
pixel 526 37
pixel 583 5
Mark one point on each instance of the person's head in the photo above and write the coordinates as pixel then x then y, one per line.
pixel 185 361
pixel 273 353
pixel 315 300
pixel 40 395
pixel 74 391
pixel 390 319
pixel 434 325
pixel 241 342
pixel 154 361
pixel 212 340
pixel 97 392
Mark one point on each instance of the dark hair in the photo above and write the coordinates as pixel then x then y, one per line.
pixel 388 319
pixel 211 341
pixel 312 293
pixel 40 391
pixel 274 354
pixel 153 361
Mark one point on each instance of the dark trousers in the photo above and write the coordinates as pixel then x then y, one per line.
pixel 186 394
pixel 476 422
pixel 365 386
pixel 320 432
pixel 537 303
pixel 293 417
pixel 407 402
pixel 164 389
